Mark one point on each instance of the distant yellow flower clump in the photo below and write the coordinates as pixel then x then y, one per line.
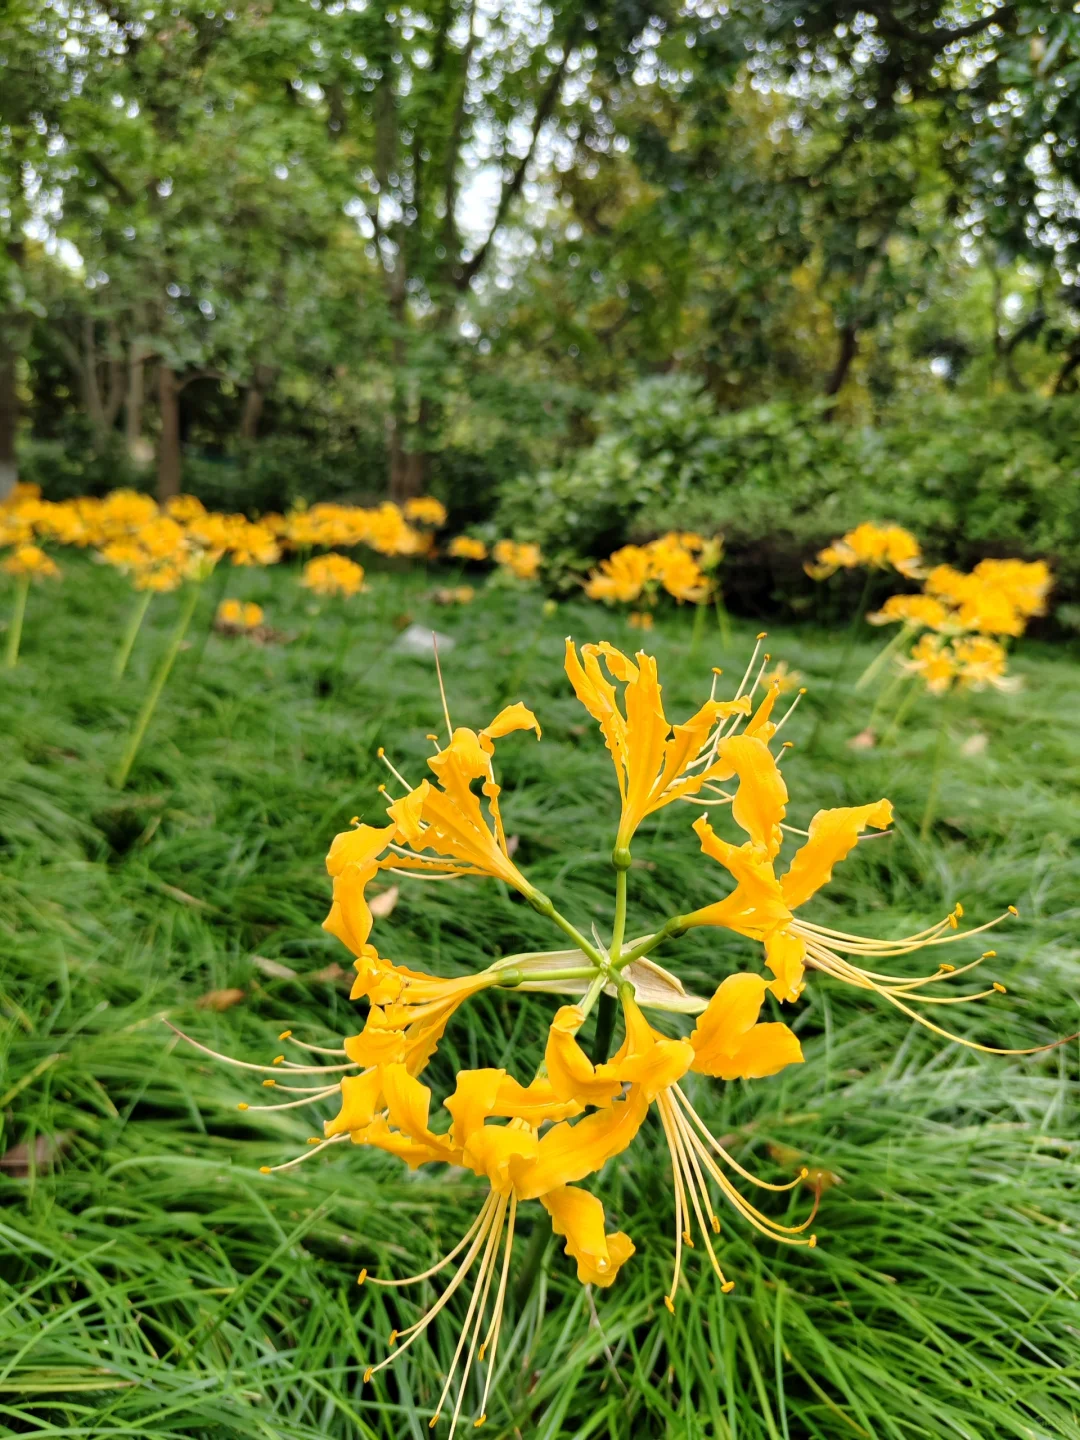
pixel 878 547
pixel 333 574
pixel 464 547
pixel 31 560
pixel 679 562
pixel 239 614
pixel 521 560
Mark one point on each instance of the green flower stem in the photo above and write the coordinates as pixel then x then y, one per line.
pixel 669 930
pixel 698 630
pixel 899 639
pixel 723 619
pixel 131 634
pixel 149 705
pixel 511 977
pixel 845 655
pixel 18 613
pixel 887 695
pixel 605 1028
pixel 935 775
pixel 902 710
pixel 544 906
pixel 223 571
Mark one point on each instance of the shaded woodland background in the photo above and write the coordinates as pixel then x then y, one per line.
pixel 570 267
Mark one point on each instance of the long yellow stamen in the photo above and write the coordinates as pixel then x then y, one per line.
pixel 831 964
pixel 382 755
pixel 416 1330
pixel 725 1155
pixel 292 1104
pixel 669 1298
pixel 680 1156
pixel 247 1065
pixel 439 1265
pixel 472 1328
pixel 307 1155
pixel 492 1337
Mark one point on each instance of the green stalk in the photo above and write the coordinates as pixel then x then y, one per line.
pixel 899 639
pixel 845 655
pixel 698 630
pixel 22 589
pixel 544 906
pixel 935 777
pixel 219 592
pixel 149 705
pixel 723 619
pixel 131 634
pixel 669 929
pixel 887 693
pixel 605 1014
pixel 902 711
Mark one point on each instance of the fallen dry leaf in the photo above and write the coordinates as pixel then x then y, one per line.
pixel 332 974
pixel 975 745
pixel 273 968
pixel 219 999
pixel 512 843
pixel 41 1155
pixel 382 905
pixel 864 740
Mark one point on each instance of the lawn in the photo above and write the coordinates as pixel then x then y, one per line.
pixel 155 1284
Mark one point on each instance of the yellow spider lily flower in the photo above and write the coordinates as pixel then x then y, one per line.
pixel 464 547
pixel 762 906
pixel 917 612
pixel 520 560
pixel 426 510
pixel 652 757
pixel 333 575
pixel 869 545
pixel 512 1158
pixel 31 560
pixel 622 577
pixel 728 1042
pixel 446 819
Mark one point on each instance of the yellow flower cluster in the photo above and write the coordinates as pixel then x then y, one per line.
pixel 464 547
pixel 383 528
pixel 333 574
pixel 31 560
pixel 539 1138
pixel 239 615
pixel 877 547
pixel 974 662
pixel 680 562
pixel 520 560
pixel 998 597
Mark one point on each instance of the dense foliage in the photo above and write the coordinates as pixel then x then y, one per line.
pixel 416 244
pixel 982 477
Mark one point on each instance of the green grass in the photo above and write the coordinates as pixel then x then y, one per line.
pixel 153 1283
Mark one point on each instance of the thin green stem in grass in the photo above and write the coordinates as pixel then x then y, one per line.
pixel 698 630
pixel 18 613
pixel 886 695
pixel 216 599
pixel 723 619
pixel 884 654
pixel 902 710
pixel 935 775
pixel 845 656
pixel 153 695
pixel 131 633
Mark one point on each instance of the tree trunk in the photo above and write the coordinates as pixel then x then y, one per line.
pixel 9 418
pixel 254 400
pixel 137 447
pixel 849 347
pixel 168 465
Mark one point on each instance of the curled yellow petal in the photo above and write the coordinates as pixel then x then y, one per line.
pixel 729 1042
pixel 580 1217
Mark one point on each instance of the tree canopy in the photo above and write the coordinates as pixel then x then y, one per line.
pixel 438 232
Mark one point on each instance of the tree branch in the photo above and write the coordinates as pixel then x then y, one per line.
pixel 511 187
